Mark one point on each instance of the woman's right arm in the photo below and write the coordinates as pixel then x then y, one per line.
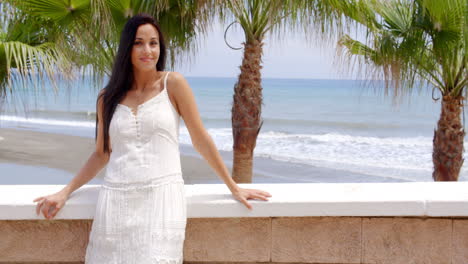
pixel 51 204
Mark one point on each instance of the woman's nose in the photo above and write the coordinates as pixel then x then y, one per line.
pixel 146 49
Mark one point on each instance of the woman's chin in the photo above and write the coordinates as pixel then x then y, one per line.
pixel 145 67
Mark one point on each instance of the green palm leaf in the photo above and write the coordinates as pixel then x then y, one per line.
pixel 30 63
pixel 62 12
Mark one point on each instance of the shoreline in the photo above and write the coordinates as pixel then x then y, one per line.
pixel 69 153
pixel 26 147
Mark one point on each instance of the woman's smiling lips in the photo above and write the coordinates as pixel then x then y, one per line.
pixel 146 59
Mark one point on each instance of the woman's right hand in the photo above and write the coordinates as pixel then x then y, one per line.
pixel 51 204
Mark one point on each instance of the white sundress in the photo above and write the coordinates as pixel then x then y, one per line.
pixel 141 212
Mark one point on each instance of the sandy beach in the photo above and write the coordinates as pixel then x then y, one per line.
pixel 69 153
pixel 35 157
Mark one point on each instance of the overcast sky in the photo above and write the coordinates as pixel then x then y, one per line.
pixel 291 57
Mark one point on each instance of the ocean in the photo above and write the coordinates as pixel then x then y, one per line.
pixel 313 130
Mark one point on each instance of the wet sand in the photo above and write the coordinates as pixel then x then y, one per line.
pixel 69 153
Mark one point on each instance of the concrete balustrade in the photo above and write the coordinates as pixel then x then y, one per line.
pixel 379 223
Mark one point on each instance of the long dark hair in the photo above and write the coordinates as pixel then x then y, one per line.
pixel 121 78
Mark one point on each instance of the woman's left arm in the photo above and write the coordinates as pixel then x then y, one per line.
pixel 202 141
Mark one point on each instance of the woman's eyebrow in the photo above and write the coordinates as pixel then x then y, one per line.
pixel 142 38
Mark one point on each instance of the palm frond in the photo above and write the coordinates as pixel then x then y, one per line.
pixel 416 40
pixel 397 16
pixel 61 12
pixel 32 63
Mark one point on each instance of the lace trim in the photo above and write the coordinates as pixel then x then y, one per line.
pixel 154 237
pixel 162 233
pixel 167 261
pixel 180 235
pixel 96 258
pixel 155 182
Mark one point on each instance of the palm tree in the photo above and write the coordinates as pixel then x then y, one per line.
pixel 258 18
pixel 410 42
pixel 255 17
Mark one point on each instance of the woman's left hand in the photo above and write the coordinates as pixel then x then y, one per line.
pixel 242 195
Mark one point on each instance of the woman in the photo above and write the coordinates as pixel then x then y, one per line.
pixel 141 210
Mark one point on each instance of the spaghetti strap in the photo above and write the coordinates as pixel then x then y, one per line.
pixel 165 81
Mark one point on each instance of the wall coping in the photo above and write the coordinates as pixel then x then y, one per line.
pixel 414 199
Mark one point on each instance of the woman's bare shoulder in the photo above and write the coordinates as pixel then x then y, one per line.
pixel 175 77
pixel 176 82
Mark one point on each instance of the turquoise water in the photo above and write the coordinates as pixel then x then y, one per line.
pixel 332 124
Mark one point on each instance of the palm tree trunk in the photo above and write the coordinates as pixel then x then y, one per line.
pixel 246 112
pixel 447 154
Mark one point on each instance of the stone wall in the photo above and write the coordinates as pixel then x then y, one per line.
pixel 407 223
pixel 343 240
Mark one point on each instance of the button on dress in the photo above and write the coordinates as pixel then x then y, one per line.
pixel 141 215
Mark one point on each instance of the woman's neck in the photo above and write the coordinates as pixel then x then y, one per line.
pixel 145 79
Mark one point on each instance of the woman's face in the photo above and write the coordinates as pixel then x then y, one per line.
pixel 145 51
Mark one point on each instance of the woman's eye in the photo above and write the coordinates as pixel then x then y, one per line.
pixel 137 43
pixel 154 43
